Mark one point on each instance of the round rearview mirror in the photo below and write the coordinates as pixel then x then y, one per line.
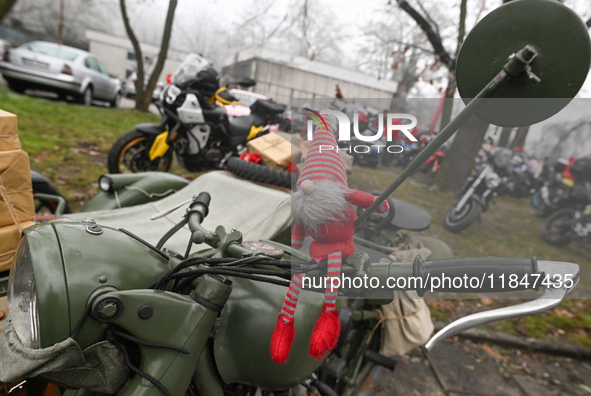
pixel 563 47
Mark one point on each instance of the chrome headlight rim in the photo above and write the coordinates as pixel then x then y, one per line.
pixel 22 297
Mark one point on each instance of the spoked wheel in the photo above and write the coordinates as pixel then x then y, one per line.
pixel 130 154
pixel 457 221
pixel 555 230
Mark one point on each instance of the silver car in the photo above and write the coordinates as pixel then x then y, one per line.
pixel 57 68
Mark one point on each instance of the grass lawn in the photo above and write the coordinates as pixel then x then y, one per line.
pixel 508 229
pixel 69 144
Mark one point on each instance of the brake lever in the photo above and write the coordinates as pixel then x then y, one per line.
pixel 170 210
pixel 551 297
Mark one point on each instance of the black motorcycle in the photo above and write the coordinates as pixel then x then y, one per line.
pixel 195 125
pixel 555 191
pixel 500 172
pixel 573 222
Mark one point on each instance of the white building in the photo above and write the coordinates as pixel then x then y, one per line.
pixel 283 77
pixel 117 54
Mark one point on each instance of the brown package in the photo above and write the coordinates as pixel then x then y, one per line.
pixel 16 193
pixel 8 132
pixel 10 237
pixel 275 151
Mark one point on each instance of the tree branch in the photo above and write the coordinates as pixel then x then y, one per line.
pixel 139 57
pixel 163 47
pixel 432 36
pixel 5 6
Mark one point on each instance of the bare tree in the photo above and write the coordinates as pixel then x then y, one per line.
pixel 5 6
pixel 468 140
pixel 144 91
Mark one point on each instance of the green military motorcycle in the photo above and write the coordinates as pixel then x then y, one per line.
pixel 97 309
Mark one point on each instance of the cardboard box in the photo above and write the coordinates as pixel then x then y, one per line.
pixel 16 191
pixel 8 132
pixel 275 151
pixel 10 237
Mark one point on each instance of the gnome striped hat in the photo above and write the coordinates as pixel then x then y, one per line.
pixel 323 160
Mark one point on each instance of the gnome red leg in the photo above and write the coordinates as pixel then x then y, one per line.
pixel 284 332
pixel 328 326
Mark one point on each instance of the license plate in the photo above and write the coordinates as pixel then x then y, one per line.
pixel 34 63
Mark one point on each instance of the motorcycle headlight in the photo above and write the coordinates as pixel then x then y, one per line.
pixel 22 298
pixel 59 265
pixel 492 180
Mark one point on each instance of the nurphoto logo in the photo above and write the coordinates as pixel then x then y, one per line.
pixel 344 131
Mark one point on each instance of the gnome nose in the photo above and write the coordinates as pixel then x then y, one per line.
pixel 307 186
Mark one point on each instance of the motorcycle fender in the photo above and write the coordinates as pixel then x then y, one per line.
pixel 243 335
pixel 159 147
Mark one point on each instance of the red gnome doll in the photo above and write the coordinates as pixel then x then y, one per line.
pixel 322 206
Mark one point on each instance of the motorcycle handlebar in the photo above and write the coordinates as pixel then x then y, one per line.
pixel 489 274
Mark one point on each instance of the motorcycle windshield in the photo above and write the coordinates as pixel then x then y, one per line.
pixel 192 65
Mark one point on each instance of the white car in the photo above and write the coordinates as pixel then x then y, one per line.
pixel 61 69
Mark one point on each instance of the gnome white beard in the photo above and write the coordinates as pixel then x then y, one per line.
pixel 324 204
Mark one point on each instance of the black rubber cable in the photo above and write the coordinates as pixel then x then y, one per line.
pixel 171 232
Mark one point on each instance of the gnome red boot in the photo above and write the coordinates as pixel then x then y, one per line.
pixel 328 326
pixel 284 332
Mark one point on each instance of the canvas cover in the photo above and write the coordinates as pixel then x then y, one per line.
pixel 253 209
pixel 100 367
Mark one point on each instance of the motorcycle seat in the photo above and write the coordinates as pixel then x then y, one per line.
pixel 240 127
pixel 150 129
pixel 410 217
pixel 267 107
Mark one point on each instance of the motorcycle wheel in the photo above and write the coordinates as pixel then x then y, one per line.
pixel 42 205
pixel 552 231
pixel 129 154
pixel 259 173
pixel 456 222
pixel 541 209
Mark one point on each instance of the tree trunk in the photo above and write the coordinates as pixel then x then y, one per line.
pixel 5 6
pixel 147 99
pixel 143 93
pixel 505 137
pixel 520 137
pixel 459 160
pixel 449 101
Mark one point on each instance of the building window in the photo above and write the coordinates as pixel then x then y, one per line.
pixel 128 73
pixel 148 60
pixel 131 56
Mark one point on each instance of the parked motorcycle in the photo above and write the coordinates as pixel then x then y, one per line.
pixel 177 324
pixel 572 222
pixel 556 191
pixel 495 174
pixel 193 126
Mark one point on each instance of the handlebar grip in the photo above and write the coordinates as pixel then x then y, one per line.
pixel 203 198
pixel 492 274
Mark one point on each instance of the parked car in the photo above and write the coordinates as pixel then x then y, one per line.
pixel 61 69
pixel 4 46
pixel 129 90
